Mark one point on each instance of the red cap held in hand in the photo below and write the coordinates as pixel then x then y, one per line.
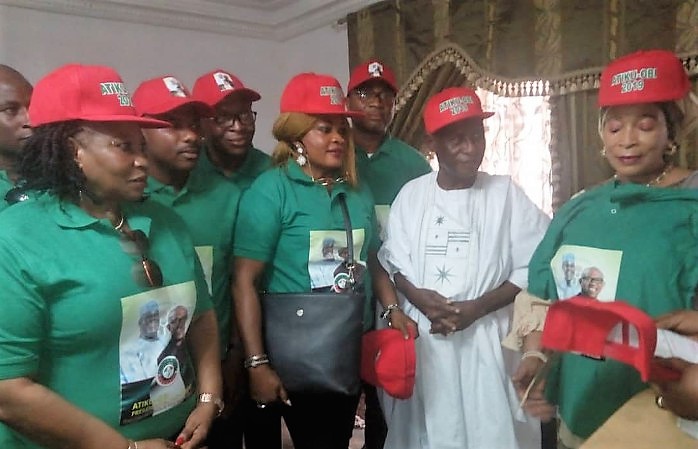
pixel 388 361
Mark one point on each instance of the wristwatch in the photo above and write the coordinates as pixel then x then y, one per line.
pixel 210 397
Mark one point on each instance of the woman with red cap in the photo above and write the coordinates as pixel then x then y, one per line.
pixel 638 228
pixel 291 238
pixel 98 283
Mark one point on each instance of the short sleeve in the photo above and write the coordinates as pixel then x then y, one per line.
pixel 258 225
pixel 23 317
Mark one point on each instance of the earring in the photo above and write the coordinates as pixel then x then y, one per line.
pixel 603 152
pixel 300 159
pixel 673 148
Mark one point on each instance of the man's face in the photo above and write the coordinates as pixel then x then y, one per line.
pixel 376 100
pixel 149 324
pixel 177 323
pixel 591 283
pixel 460 148
pixel 175 148
pixel 568 269
pixel 231 131
pixel 15 93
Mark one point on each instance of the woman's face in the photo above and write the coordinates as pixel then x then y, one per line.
pixel 326 145
pixel 635 139
pixel 111 157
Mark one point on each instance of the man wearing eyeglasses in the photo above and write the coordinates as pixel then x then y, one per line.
pixel 229 133
pixel 15 92
pixel 228 152
pixel 384 164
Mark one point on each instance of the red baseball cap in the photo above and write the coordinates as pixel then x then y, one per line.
pixel 389 361
pixel 216 85
pixel 315 94
pixel 451 105
pixel 599 329
pixel 92 93
pixel 649 76
pixel 372 69
pixel 163 94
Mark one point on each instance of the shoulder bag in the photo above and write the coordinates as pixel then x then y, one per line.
pixel 314 339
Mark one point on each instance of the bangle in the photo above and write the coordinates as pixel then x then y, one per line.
pixel 256 360
pixel 215 400
pixel 132 444
pixel 536 354
pixel 388 310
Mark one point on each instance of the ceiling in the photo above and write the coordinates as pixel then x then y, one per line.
pixel 276 20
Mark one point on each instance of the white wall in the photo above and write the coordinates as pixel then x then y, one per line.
pixel 36 42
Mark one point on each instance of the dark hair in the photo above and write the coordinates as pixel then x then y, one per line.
pixel 48 163
pixel 674 119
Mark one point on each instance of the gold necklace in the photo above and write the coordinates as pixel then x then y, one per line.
pixel 656 180
pixel 661 176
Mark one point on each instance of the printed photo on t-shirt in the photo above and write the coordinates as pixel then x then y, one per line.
pixel 327 256
pixel 155 366
pixel 586 271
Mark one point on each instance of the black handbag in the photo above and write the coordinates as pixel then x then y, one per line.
pixel 314 339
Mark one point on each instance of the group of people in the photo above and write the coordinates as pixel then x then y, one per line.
pixel 138 235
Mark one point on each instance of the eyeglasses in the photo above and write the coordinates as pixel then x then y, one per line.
pixel 384 95
pixel 246 118
pixel 591 279
pixel 147 271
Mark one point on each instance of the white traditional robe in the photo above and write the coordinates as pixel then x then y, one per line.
pixel 462 243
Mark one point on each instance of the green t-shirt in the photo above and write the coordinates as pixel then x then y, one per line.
pixel 255 164
pixel 208 205
pixel 644 243
pixel 5 186
pixel 387 170
pixel 75 320
pixel 293 225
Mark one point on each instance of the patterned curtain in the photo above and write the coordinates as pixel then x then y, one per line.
pixel 521 48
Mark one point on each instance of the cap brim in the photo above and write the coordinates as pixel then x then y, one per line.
pixel 357 83
pixel 176 103
pixel 482 116
pixel 143 122
pixel 249 94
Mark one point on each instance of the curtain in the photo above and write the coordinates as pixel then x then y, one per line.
pixel 521 48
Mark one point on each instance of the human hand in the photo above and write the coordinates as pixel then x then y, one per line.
pixel 437 308
pixel 266 386
pixel 197 426
pixel 681 321
pixel 468 312
pixel 400 321
pixel 534 403
pixel 681 396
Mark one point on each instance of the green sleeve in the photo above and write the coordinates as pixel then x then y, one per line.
pixel 258 224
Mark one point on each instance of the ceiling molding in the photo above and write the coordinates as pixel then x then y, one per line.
pixel 276 20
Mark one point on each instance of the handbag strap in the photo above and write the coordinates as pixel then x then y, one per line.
pixel 350 263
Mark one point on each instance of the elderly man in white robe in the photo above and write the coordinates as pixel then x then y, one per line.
pixel 458 245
